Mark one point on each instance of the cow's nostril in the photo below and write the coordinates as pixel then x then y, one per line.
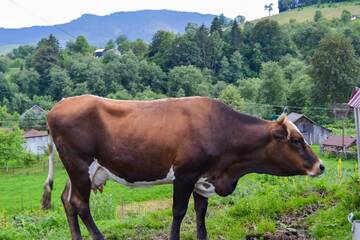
pixel 322 167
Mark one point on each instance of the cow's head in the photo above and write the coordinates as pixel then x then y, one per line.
pixel 289 153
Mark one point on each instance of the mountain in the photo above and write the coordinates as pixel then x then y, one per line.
pixel 99 29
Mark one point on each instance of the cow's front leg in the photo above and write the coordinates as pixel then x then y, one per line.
pixel 183 187
pixel 200 204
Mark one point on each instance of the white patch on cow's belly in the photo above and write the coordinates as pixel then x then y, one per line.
pixel 204 188
pixel 99 175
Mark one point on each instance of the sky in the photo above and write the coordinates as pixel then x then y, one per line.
pixel 25 13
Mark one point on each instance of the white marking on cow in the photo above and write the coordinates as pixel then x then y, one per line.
pixel 296 129
pixel 315 170
pixel 99 175
pixel 69 194
pixel 204 188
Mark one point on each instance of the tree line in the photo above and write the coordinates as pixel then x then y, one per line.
pixel 257 67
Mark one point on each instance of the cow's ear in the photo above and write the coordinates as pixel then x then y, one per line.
pixel 279 132
pixel 282 119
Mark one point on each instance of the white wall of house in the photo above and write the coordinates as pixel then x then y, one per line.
pixel 36 145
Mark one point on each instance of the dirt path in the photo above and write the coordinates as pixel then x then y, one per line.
pixel 143 207
pixel 291 226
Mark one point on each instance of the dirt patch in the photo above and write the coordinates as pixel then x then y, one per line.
pixel 291 226
pixel 125 210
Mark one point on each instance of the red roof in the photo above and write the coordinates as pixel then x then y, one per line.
pixel 355 98
pixel 35 133
pixel 337 141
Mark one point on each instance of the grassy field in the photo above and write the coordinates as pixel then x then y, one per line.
pixel 329 11
pixel 258 206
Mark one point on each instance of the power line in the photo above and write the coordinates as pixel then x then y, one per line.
pixel 43 19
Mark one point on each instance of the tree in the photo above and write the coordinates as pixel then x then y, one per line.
pixel 148 94
pixel 187 78
pixel 8 120
pixel 124 45
pixel 345 16
pixel 231 96
pixel 204 44
pixel 139 48
pixel 183 51
pixel 122 72
pixel 161 43
pixel 272 41
pixel 236 38
pixel 23 51
pixel 27 80
pixel 153 76
pixel 216 51
pixel 7 88
pixel 225 73
pixel 318 16
pixel 11 148
pixel 249 89
pixel 269 8
pixel 79 46
pixel 240 19
pixel 335 70
pixel 110 45
pixel 300 91
pixel 237 67
pixel 273 86
pixel 61 85
pixel 4 64
pixel 308 37
pixel 216 26
pixel 45 57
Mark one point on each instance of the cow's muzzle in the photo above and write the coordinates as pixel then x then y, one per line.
pixel 317 169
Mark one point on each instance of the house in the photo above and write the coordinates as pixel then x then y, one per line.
pixel 36 141
pixel 335 144
pixel 34 110
pixel 313 132
pixel 101 51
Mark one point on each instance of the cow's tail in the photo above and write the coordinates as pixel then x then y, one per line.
pixel 48 185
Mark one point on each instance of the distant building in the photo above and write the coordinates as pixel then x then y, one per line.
pixel 335 144
pixel 101 51
pixel 35 110
pixel 313 132
pixel 36 141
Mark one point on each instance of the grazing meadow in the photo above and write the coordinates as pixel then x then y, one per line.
pixel 262 205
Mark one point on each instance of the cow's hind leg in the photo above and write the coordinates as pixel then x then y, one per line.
pixel 76 199
pixel 183 187
pixel 200 204
pixel 71 213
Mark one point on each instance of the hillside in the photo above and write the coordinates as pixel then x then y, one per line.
pixel 329 11
pixel 99 29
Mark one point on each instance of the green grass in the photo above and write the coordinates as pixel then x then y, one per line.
pixel 254 208
pixel 329 11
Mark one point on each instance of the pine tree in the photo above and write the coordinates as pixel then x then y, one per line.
pixel 235 37
pixel 216 26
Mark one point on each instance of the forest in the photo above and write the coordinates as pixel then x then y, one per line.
pixel 256 67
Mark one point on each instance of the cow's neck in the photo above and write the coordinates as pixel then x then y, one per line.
pixel 246 156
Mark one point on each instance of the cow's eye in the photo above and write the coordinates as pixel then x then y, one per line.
pixel 296 141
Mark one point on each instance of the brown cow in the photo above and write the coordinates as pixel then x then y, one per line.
pixel 200 145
